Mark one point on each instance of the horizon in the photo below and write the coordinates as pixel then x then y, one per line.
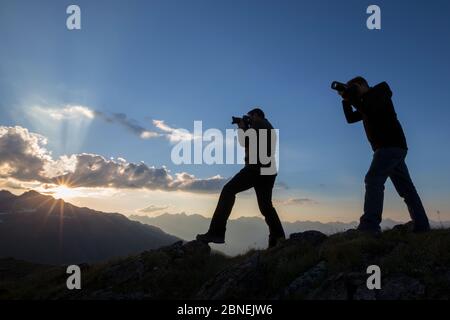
pixel 245 233
pixel 158 215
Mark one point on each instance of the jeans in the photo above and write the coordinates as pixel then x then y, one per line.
pixel 245 179
pixel 390 162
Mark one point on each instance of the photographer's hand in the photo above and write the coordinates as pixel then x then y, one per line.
pixel 351 115
pixel 344 97
pixel 242 125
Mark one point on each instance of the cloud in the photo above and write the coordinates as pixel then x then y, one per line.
pixel 68 112
pixel 95 171
pixel 149 134
pixel 186 181
pixel 77 112
pixel 129 124
pixel 152 208
pixel 296 201
pixel 23 156
pixel 12 184
pixel 173 134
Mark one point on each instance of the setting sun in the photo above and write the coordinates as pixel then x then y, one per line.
pixel 64 192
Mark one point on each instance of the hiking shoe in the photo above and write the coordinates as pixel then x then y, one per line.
pixel 273 241
pixel 412 227
pixel 421 229
pixel 371 232
pixel 207 238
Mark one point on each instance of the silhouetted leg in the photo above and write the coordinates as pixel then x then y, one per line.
pixel 403 184
pixel 384 161
pixel 242 181
pixel 263 188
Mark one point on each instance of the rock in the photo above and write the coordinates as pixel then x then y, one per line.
pixel 333 288
pixel 197 247
pixel 357 287
pixel 406 227
pixel 305 283
pixel 351 234
pixel 343 286
pixel 246 279
pixel 352 286
pixel 363 293
pixel 180 249
pixel 124 272
pixel 313 237
pixel 401 287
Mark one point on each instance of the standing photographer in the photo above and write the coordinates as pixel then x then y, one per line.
pixel 251 176
pixel 373 105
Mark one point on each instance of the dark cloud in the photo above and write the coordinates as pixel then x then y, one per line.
pixel 21 154
pixel 131 125
pixel 73 112
pixel 152 208
pixel 95 171
pixel 12 184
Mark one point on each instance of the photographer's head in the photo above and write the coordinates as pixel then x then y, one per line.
pixel 358 86
pixel 256 114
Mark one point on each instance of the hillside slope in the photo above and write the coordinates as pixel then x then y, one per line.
pixel 310 265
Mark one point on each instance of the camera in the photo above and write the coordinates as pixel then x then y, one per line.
pixel 245 118
pixel 339 86
pixel 349 92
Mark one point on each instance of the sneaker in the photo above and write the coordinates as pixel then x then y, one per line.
pixel 376 232
pixel 207 238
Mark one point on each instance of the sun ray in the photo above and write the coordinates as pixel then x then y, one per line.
pixel 61 225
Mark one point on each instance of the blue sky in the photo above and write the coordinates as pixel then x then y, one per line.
pixel 181 61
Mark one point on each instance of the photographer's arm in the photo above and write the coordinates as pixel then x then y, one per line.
pixel 241 136
pixel 351 115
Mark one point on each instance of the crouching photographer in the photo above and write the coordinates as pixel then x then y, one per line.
pixel 373 106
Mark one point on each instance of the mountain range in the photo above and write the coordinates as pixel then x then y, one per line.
pixel 38 228
pixel 246 233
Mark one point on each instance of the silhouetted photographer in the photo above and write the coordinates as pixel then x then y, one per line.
pixel 251 176
pixel 373 106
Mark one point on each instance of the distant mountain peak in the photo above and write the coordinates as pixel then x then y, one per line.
pixel 31 193
pixel 6 193
pixel 39 228
pixel 36 196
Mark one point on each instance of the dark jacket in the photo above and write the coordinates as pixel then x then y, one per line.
pixel 376 110
pixel 270 143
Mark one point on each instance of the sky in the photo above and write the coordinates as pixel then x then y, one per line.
pixel 114 95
